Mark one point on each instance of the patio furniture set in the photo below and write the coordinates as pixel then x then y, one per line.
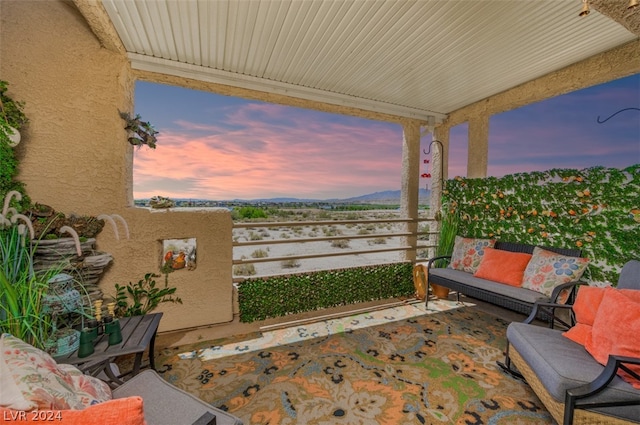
pixel 587 371
pixel 576 384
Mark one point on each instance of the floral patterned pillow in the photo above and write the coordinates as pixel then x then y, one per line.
pixel 546 270
pixel 468 252
pixel 33 380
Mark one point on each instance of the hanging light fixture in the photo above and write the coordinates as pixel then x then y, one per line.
pixel 585 8
pixel 632 4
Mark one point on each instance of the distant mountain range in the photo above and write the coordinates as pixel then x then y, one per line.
pixel 383 197
pixel 387 195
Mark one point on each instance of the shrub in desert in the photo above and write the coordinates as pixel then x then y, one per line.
pixel 259 253
pixel 255 236
pixel 244 270
pixel 364 232
pixel 340 243
pixel 377 241
pixel 290 264
pixel 332 231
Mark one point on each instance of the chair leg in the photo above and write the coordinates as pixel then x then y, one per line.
pixel 506 366
pixel 569 407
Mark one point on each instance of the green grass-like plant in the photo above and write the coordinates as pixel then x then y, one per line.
pixel 22 290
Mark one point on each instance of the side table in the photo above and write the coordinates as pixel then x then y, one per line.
pixel 138 334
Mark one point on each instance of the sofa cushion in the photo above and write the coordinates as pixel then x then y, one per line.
pixel 546 270
pixel 585 307
pixel 561 364
pixel 503 266
pixel 468 279
pixel 467 253
pixel 35 381
pixel 183 409
pixel 124 411
pixel 615 331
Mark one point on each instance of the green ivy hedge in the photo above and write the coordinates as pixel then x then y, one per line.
pixel 262 298
pixel 596 209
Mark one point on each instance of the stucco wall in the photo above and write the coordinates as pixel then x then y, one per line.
pixel 74 155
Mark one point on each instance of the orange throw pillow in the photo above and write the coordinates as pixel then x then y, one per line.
pixel 615 331
pixel 586 307
pixel 119 411
pixel 503 266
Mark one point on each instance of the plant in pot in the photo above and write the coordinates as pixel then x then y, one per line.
pixel 137 299
pixel 140 132
pixel 449 221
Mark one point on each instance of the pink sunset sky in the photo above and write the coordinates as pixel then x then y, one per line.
pixel 222 148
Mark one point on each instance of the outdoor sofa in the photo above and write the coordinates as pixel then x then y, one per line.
pixel 575 372
pixel 462 276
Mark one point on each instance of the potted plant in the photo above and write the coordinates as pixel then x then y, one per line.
pixel 140 132
pixel 449 220
pixel 137 299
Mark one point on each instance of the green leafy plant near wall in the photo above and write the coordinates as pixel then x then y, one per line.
pixel 137 299
pixel 263 298
pixel 595 209
pixel 11 116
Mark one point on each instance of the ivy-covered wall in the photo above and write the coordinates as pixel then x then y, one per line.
pixel 596 209
pixel 275 296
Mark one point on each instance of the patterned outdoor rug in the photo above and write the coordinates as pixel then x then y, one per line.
pixel 434 368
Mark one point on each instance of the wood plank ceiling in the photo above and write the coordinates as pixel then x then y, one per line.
pixel 417 59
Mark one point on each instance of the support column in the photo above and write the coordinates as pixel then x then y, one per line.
pixel 478 156
pixel 410 183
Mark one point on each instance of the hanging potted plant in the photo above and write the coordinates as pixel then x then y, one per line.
pixel 140 132
pixel 449 221
pixel 11 117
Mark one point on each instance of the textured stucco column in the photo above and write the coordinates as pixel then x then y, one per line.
pixel 410 182
pixel 74 156
pixel 478 154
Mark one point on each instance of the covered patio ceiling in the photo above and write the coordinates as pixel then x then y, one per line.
pixel 415 59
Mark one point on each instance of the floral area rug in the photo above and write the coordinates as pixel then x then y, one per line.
pixel 436 368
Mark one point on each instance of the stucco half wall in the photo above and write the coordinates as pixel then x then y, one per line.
pixel 75 156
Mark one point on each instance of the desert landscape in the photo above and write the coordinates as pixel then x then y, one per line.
pixel 346 247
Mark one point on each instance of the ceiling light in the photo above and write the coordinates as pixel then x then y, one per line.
pixel 585 8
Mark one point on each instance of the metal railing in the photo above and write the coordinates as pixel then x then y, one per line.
pixel 424 238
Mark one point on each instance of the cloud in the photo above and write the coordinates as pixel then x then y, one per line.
pixel 220 147
pixel 269 150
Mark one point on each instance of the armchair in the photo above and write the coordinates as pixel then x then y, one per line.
pixel 574 386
